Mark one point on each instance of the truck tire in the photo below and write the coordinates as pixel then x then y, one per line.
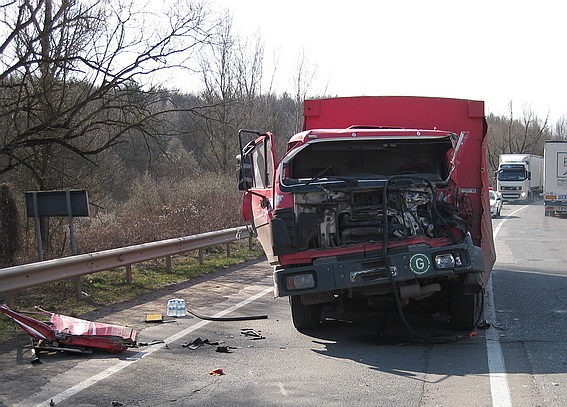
pixel 304 316
pixel 464 308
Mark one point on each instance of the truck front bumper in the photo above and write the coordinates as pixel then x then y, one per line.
pixel 328 274
pixel 556 206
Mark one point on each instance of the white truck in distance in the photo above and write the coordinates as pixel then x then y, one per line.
pixel 520 177
pixel 555 179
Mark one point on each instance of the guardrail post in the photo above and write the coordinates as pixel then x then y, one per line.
pixel 228 253
pixel 200 256
pixel 250 244
pixel 128 274
pixel 168 264
pixel 10 299
pixel 78 287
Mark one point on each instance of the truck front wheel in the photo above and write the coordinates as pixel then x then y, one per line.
pixel 304 316
pixel 465 308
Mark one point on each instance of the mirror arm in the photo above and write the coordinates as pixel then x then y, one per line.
pixel 264 203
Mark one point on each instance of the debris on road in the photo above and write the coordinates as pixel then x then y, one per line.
pixel 197 343
pixel 150 343
pixel 224 349
pixel 253 333
pixel 69 334
pixel 484 325
pixel 154 318
pixel 217 372
pixel 226 319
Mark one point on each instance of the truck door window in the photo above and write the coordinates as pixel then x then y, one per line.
pixel 263 165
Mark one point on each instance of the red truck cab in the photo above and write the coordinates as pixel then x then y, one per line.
pixel 378 201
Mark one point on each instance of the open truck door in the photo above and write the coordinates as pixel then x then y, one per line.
pixel 255 168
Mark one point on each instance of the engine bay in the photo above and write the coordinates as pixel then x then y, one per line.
pixel 327 218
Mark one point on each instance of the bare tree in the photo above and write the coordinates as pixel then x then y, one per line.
pixel 231 75
pixel 304 76
pixel 11 236
pixel 75 81
pixel 559 130
pixel 71 75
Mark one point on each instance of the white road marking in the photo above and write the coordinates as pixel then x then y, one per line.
pixel 58 398
pixel 283 391
pixel 499 388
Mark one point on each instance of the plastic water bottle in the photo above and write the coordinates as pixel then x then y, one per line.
pixel 177 308
pixel 181 308
pixel 171 308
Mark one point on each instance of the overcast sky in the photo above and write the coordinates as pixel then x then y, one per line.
pixel 492 50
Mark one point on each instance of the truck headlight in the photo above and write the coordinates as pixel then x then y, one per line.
pixel 448 260
pixel 300 281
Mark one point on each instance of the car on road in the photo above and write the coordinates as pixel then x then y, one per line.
pixel 495 203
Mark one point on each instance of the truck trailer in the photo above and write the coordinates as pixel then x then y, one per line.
pixel 380 202
pixel 555 178
pixel 520 177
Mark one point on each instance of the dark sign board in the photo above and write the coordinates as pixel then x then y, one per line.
pixel 54 203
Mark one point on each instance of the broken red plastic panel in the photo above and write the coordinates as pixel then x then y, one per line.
pixel 72 334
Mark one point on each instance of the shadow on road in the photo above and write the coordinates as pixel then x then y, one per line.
pixel 382 342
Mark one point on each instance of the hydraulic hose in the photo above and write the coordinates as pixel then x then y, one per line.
pixel 385 257
pixel 227 319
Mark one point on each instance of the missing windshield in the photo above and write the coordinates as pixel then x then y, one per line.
pixel 368 159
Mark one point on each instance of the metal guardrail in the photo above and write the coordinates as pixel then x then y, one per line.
pixel 17 278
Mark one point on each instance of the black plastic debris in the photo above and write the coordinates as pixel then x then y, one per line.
pixel 224 349
pixel 484 325
pixel 197 343
pixel 252 333
pixel 150 343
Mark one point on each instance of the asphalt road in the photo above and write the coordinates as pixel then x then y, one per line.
pixel 520 361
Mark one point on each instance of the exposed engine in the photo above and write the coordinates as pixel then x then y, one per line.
pixel 336 218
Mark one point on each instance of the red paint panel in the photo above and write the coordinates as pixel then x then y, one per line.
pixel 409 112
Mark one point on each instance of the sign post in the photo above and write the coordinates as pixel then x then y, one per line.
pixel 68 203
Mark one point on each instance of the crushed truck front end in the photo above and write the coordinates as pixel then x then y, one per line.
pixel 364 216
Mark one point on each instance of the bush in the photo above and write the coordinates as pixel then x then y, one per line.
pixel 163 209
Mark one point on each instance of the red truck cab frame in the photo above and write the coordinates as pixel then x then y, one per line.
pixel 377 199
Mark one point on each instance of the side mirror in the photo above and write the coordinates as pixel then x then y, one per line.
pixel 529 175
pixel 495 175
pixel 244 172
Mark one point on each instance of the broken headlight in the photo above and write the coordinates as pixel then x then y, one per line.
pixel 448 260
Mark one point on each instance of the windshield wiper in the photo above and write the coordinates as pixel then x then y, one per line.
pixel 319 175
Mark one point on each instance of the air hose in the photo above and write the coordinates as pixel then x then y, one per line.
pixel 227 319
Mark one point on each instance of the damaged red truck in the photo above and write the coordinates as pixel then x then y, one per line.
pixel 378 202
